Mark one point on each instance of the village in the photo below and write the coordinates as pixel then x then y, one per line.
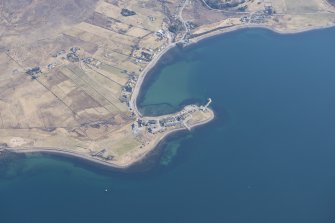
pixel 165 123
pixel 149 130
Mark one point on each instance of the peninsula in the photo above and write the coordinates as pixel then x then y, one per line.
pixel 71 71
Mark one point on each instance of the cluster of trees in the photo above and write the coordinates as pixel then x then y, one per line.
pixel 127 12
pixel 176 26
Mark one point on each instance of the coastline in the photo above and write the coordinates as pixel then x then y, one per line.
pixel 224 30
pixel 65 153
pixel 143 75
pixel 137 89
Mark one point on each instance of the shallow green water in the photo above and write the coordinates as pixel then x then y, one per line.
pixel 268 157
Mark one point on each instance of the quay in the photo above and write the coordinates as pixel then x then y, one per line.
pixel 161 124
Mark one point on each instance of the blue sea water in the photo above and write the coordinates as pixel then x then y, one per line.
pixel 268 157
